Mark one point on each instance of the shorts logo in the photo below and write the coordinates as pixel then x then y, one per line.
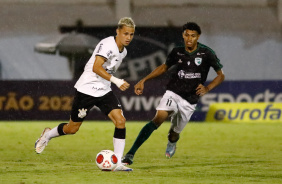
pixel 198 61
pixel 82 113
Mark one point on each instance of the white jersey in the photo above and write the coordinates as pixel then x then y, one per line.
pixel 92 84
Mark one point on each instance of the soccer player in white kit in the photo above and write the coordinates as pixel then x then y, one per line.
pixel 93 88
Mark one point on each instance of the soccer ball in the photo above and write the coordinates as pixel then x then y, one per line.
pixel 106 160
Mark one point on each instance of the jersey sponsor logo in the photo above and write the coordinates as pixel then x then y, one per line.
pixel 198 61
pixel 100 48
pixel 82 113
pixel 95 88
pixel 109 53
pixel 183 75
pixel 180 54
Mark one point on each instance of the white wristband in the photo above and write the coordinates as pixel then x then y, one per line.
pixel 117 81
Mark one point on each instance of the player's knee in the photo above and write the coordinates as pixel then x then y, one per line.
pixel 120 122
pixel 157 121
pixel 160 117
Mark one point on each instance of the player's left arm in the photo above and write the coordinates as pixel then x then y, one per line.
pixel 98 69
pixel 202 90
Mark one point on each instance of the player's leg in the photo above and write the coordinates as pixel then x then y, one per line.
pixel 172 137
pixel 120 132
pixel 80 108
pixel 110 106
pixel 178 123
pixel 148 129
pixel 118 119
pixel 144 134
pixel 61 129
pixel 167 107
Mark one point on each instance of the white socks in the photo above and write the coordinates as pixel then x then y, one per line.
pixel 119 145
pixel 52 133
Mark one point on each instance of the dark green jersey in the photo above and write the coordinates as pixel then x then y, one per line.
pixel 191 69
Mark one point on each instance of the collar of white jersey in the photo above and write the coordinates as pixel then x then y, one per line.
pixel 117 46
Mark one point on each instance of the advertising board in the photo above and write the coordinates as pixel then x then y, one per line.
pixel 52 100
pixel 245 112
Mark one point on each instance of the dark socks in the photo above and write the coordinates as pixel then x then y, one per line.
pixel 60 129
pixel 144 134
pixel 173 136
pixel 120 133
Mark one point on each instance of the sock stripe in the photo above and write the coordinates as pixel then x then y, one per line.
pixel 60 129
pixel 120 133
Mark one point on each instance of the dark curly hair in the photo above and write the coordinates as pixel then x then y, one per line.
pixel 192 26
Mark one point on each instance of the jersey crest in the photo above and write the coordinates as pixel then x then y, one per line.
pixel 198 61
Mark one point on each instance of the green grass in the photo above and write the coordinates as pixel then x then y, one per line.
pixel 207 153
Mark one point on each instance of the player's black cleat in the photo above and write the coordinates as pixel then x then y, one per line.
pixel 127 159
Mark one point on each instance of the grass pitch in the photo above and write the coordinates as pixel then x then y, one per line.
pixel 206 153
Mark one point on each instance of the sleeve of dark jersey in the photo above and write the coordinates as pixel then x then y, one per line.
pixel 214 61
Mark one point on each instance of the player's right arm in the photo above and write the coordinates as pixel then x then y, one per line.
pixel 99 70
pixel 139 87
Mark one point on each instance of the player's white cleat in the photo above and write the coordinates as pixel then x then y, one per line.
pixel 170 149
pixel 121 167
pixel 42 142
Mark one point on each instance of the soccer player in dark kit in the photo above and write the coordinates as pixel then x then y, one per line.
pixel 186 86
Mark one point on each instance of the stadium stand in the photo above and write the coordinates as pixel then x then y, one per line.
pixel 246 26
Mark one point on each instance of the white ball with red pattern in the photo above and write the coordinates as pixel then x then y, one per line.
pixel 106 160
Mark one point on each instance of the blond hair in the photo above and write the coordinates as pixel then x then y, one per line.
pixel 126 21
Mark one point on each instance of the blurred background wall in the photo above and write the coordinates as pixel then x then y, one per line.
pixel 246 34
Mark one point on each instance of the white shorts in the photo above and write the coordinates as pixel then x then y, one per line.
pixel 182 110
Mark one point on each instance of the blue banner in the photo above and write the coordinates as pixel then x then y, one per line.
pixel 240 91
